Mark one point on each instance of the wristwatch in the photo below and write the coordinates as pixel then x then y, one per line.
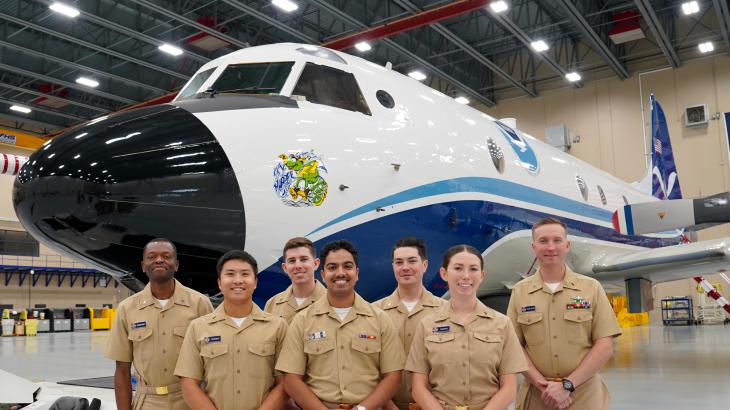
pixel 567 385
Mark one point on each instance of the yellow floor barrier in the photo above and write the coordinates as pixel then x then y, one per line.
pixel 626 319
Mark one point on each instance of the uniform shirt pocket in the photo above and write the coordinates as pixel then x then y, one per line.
pixel 261 359
pixel 533 327
pixel 578 325
pixel 320 357
pixel 365 355
pixel 215 360
pixel 487 348
pixel 440 347
pixel 179 335
pixel 143 346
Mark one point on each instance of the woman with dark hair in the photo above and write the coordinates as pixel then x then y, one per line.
pixel 465 355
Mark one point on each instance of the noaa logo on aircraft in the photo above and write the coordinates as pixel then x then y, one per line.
pixel 298 179
pixel 526 155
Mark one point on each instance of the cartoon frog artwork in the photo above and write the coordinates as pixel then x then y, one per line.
pixel 299 179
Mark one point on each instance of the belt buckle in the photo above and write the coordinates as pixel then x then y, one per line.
pixel 161 390
pixel 345 406
pixel 461 408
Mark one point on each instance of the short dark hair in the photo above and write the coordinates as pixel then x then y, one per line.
pixel 459 249
pixel 238 255
pixel 299 242
pixel 549 221
pixel 160 240
pixel 410 242
pixel 337 245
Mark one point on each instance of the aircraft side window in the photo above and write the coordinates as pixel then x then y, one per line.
pixel 195 83
pixel 385 99
pixel 329 86
pixel 582 186
pixel 253 78
pixel 601 194
pixel 497 155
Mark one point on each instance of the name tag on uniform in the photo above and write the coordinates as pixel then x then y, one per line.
pixel 139 325
pixel 441 329
pixel 530 308
pixel 578 303
pixel 317 335
pixel 211 339
pixel 369 337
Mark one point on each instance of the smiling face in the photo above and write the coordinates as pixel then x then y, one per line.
pixel 463 274
pixel 159 261
pixel 300 265
pixel 237 281
pixel 340 273
pixel 408 266
pixel 550 245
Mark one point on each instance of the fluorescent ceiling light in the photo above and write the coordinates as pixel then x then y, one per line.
pixel 87 82
pixel 285 5
pixel 170 49
pixel 462 100
pixel 690 7
pixel 573 77
pixel 64 9
pixel 363 46
pixel 706 47
pixel 417 75
pixel 20 108
pixel 539 46
pixel 498 6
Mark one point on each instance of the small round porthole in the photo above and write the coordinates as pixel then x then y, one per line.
pixel 496 153
pixel 385 99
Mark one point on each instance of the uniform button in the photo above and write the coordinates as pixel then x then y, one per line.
pixel 463 364
pixel 239 392
pixel 139 337
pixel 238 351
pixel 463 384
pixel 163 315
pixel 238 371
pixel 555 336
pixel 556 355
pixel 579 317
pixel 165 369
pixel 317 349
pixel 553 317
pixel 408 334
pixel 343 367
pixel 367 348
pixel 463 346
pixel 164 351
pixel 342 347
pixel 163 333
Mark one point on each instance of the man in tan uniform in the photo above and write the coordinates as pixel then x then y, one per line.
pixel 566 325
pixel 341 352
pixel 300 263
pixel 233 350
pixel 408 304
pixel 148 331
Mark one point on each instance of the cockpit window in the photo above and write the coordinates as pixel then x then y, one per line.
pixel 329 86
pixel 253 78
pixel 195 83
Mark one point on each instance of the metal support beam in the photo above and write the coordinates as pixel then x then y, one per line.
pixel 46 126
pixel 407 23
pixel 45 110
pixel 592 37
pixel 723 17
pixel 75 86
pixel 516 31
pixel 464 46
pixel 213 32
pixel 650 17
pixel 270 20
pixel 55 97
pixel 92 46
pixel 402 50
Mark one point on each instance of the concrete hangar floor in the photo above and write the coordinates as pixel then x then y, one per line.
pixel 654 367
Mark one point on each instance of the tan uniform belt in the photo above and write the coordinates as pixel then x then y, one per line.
pixel 554 379
pixel 159 390
pixel 346 406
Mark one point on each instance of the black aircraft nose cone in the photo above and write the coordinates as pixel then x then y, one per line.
pixel 103 190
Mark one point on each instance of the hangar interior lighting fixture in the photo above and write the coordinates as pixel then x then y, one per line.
pixel 573 77
pixel 498 6
pixel 417 75
pixel 363 46
pixel 706 47
pixel 286 5
pixel 539 46
pixel 170 49
pixel 20 108
pixel 64 9
pixel 87 82
pixel 690 7
pixel 462 100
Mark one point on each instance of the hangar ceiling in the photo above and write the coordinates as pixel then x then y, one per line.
pixel 483 55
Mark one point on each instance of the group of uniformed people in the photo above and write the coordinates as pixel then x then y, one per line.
pixel 325 347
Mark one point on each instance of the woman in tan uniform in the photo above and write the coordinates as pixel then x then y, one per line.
pixel 466 355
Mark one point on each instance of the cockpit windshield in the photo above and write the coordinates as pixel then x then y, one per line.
pixel 253 78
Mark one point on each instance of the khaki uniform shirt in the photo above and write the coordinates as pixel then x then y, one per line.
pixel 236 363
pixel 463 362
pixel 149 336
pixel 406 322
pixel 285 305
pixel 558 330
pixel 341 361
